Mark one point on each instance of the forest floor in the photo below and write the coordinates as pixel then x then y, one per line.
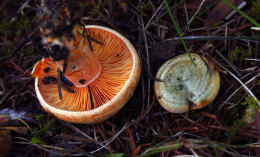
pixel 228 126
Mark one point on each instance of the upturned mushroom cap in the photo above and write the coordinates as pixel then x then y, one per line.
pixel 181 86
pixel 110 91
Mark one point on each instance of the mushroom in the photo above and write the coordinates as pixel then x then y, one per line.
pixel 181 86
pixel 104 79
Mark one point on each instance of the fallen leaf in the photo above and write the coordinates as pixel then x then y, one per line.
pixel 219 11
pixel 5 142
pixel 162 50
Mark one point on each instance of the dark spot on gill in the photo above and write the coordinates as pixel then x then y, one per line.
pixel 117 55
pixel 46 70
pixel 159 97
pixel 49 79
pixel 82 81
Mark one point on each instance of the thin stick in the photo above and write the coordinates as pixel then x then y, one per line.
pixel 252 79
pixel 226 32
pixel 149 22
pixel 59 84
pixel 214 38
pixel 244 86
pixel 65 65
pixel 84 36
pixel 197 11
pixel 74 128
pixel 148 65
pixel 228 62
pixel 187 15
pixel 91 97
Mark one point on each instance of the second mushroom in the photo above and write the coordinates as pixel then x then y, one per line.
pixel 182 85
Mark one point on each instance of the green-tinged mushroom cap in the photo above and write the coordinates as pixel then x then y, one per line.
pixel 181 86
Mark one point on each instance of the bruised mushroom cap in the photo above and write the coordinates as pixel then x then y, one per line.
pixel 110 91
pixel 181 86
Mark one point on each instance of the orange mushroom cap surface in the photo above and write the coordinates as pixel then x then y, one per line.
pixel 108 93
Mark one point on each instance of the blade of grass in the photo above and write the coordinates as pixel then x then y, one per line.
pixel 173 7
pixel 215 38
pixel 164 148
pixel 242 13
pixel 179 32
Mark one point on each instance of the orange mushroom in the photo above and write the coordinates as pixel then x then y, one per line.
pixel 110 72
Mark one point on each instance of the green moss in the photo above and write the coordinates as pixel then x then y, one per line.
pixel 45 125
pixel 28 51
pixel 215 25
pixel 8 29
pixel 240 120
pixel 250 113
pixel 65 130
pixel 23 25
pixel 235 112
pixel 18 28
pixel 145 6
pixel 240 54
pixel 101 5
pixel 35 140
pixel 255 10
pixel 236 127
pixel 7 49
pixel 86 7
